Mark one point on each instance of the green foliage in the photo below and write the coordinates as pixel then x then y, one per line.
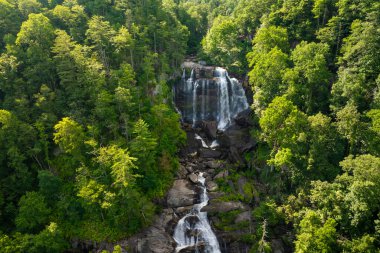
pixel 105 68
pixel 33 212
pixel 359 66
pixel 267 211
pixel 315 235
pixel 49 185
pixel 361 245
pixel 309 78
pixel 221 44
pixel 49 240
pixel 92 64
pixel 349 125
pixel 284 128
pixel 120 162
pixel 266 77
pixel 325 148
pixel 69 135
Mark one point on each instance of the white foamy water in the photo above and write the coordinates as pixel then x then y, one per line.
pixel 194 229
pixel 218 99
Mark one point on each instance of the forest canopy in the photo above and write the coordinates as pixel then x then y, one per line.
pixel 89 137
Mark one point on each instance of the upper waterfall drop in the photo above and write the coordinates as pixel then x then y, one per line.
pixel 214 98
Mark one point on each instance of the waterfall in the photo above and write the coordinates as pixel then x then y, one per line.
pixel 194 229
pixel 224 113
pixel 214 98
pixel 214 144
pixel 195 111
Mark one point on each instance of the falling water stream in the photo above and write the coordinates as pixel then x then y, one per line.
pixel 193 229
pixel 219 99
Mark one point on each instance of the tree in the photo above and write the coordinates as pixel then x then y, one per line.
pixel 144 143
pixel 266 77
pixel 268 62
pixel 36 36
pixel 16 142
pixel 284 128
pixel 362 178
pixel 268 37
pixel 120 164
pixel 308 81
pixel 49 186
pixel 100 34
pixel 221 44
pixel 315 235
pixel 363 244
pixel 124 44
pixel 350 126
pixel 33 212
pixel 69 135
pixel 27 7
pixel 351 199
pixel 325 148
pixel 359 66
pixel 81 76
pixel 71 17
pixel 51 239
pixel 10 20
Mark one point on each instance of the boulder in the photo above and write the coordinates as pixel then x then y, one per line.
pixel 216 206
pixel 192 143
pixel 222 174
pixel 215 195
pixel 200 247
pixel 190 169
pixel 234 136
pixel 183 210
pixel 201 71
pixel 210 128
pixel 153 240
pixel 213 164
pixel 211 172
pixel 193 178
pixel 182 172
pixel 208 153
pixel 245 118
pixel 211 186
pixel 235 156
pixel 243 217
pixel 181 194
pixel 165 217
pixel 242 181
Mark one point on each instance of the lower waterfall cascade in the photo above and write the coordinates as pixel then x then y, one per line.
pixel 194 229
pixel 219 98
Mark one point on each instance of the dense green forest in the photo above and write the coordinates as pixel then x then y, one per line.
pixel 89 138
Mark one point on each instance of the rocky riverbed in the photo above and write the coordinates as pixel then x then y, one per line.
pixel 198 157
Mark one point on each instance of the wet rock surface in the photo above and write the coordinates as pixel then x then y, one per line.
pixel 181 194
pixel 153 240
pixel 216 206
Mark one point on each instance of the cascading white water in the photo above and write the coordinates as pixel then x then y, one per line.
pixel 194 229
pixel 195 103
pixel 217 99
pixel 214 144
pixel 224 114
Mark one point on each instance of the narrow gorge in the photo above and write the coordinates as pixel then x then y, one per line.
pixel 216 118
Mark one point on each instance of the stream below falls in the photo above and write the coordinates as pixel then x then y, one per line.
pixel 194 230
